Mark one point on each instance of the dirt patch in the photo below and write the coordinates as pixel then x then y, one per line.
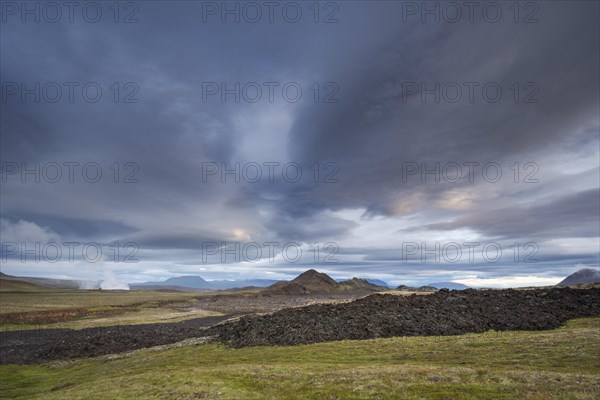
pixel 70 314
pixel 53 316
pixel 442 313
pixel 265 302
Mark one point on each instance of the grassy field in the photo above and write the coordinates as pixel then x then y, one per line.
pixel 12 285
pixel 77 309
pixel 559 364
pixel 53 299
pixel 145 314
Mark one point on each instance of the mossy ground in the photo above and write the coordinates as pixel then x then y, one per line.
pixel 558 364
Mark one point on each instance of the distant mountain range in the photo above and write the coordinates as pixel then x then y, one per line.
pixel 583 276
pixel 449 285
pixel 197 282
pixel 310 281
pixel 378 282
pixel 432 287
pixel 313 282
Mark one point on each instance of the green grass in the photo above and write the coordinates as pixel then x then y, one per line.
pixel 147 313
pixel 8 285
pixel 55 299
pixel 77 309
pixel 558 364
pixel 101 308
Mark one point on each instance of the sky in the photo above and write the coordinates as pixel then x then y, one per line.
pixel 406 141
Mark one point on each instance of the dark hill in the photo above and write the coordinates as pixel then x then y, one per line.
pixel 289 288
pixel 356 284
pixel 583 276
pixel 46 282
pixel 14 285
pixel 316 282
pixel 308 282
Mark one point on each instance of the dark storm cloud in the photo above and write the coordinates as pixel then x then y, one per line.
pixel 76 228
pixel 315 228
pixel 370 133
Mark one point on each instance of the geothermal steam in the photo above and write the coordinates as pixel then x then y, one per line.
pixel 111 282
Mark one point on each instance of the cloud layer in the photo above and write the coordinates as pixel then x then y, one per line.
pixel 408 131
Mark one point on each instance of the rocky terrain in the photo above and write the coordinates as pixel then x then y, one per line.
pixel 37 346
pixel 442 313
pixel 417 288
pixel 41 345
pixel 378 315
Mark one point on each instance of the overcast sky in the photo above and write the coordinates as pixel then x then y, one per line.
pixel 346 121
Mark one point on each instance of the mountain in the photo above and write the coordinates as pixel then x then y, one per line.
pixel 197 282
pixel 314 282
pixel 582 276
pixel 449 285
pixel 241 283
pixel 166 288
pixel 190 281
pixel 378 282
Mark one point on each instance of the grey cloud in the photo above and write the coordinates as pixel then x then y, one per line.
pixel 570 216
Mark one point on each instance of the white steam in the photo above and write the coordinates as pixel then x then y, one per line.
pixel 111 282
pixel 89 285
